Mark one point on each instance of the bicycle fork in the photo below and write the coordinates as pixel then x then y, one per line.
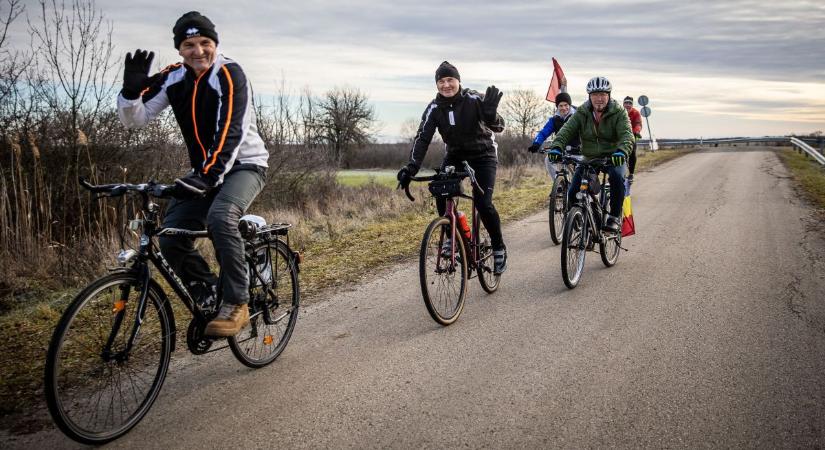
pixel 120 313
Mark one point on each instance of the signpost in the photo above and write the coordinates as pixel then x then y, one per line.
pixel 643 101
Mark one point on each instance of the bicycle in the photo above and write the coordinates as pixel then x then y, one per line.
pixel 110 352
pixel 583 223
pixel 557 199
pixel 449 253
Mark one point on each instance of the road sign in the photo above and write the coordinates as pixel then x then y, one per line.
pixel 643 100
pixel 645 111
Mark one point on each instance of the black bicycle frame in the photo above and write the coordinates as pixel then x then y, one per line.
pixel 600 204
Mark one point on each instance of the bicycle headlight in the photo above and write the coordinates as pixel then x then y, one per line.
pixel 125 257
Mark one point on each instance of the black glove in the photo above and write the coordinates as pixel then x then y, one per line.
pixel 638 135
pixel 405 175
pixel 191 186
pixel 533 148
pixel 490 103
pixel 136 73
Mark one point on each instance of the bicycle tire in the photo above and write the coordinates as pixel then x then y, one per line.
pixel 573 246
pixel 76 381
pixel 488 279
pixel 610 250
pixel 443 294
pixel 557 204
pixel 272 320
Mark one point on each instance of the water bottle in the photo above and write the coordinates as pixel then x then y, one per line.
pixel 463 226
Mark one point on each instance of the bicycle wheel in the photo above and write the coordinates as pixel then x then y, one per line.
pixel 610 250
pixel 95 396
pixel 556 207
pixel 486 277
pixel 273 306
pixel 573 246
pixel 443 277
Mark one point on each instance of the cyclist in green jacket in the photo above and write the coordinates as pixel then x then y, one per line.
pixel 604 129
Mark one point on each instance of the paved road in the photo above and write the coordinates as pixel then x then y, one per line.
pixel 710 332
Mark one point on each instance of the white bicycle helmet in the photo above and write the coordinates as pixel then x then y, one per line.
pixel 599 84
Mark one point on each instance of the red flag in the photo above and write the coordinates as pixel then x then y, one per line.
pixel 555 82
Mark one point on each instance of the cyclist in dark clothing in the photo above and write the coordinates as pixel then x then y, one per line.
pixel 467 122
pixel 212 102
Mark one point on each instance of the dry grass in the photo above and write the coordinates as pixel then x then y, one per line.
pixel 808 174
pixel 649 159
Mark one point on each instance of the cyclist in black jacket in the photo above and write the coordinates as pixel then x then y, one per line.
pixel 212 102
pixel 466 121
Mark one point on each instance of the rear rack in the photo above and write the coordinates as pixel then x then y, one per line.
pixel 279 229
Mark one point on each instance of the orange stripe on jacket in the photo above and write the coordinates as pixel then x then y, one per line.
pixel 228 121
pixel 194 119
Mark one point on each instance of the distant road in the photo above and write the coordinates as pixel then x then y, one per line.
pixel 709 332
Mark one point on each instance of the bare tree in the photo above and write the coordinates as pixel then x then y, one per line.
pixel 409 128
pixel 12 63
pixel 524 111
pixel 77 47
pixel 346 119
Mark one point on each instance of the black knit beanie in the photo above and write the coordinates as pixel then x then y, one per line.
pixel 628 99
pixel 193 24
pixel 446 70
pixel 563 97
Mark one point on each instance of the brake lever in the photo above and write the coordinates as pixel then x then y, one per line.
pixel 473 176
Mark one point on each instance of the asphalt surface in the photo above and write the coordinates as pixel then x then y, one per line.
pixel 709 332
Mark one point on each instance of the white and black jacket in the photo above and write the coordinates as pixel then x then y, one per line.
pixel 461 125
pixel 214 111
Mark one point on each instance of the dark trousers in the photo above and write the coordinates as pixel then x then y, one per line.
pixel 616 177
pixel 486 176
pixel 219 213
pixel 631 160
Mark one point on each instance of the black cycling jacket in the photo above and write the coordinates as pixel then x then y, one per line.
pixel 214 112
pixel 460 123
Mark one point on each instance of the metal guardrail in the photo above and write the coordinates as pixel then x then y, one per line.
pixel 765 140
pixel 802 145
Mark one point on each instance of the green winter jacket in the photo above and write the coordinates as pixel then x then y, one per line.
pixel 612 134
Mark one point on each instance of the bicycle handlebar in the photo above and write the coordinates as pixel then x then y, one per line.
pixel 446 176
pixel 119 189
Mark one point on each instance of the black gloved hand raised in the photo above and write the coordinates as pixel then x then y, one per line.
pixel 191 186
pixel 490 103
pixel 533 148
pixel 136 73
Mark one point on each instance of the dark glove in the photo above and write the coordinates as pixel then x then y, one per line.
pixel 554 155
pixel 533 148
pixel 638 135
pixel 191 186
pixel 136 73
pixel 618 158
pixel 405 175
pixel 490 103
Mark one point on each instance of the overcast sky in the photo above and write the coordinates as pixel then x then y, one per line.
pixel 710 68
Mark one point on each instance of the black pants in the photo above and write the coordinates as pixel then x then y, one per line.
pixel 631 160
pixel 616 177
pixel 219 212
pixel 486 176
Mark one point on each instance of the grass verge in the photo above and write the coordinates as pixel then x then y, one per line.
pixel 648 160
pixel 808 174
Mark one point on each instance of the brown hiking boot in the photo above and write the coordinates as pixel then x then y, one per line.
pixel 230 320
